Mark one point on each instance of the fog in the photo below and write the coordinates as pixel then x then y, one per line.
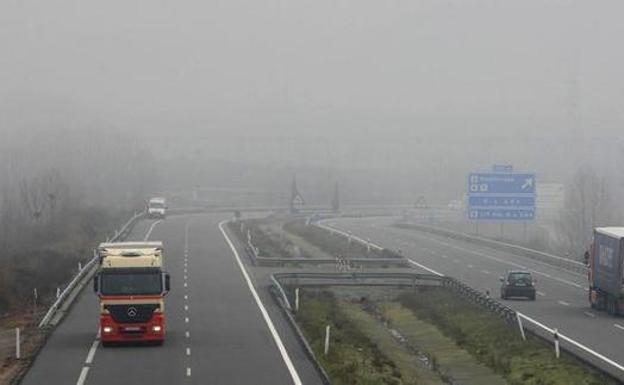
pixel 391 99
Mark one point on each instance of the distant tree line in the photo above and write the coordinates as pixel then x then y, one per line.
pixel 60 193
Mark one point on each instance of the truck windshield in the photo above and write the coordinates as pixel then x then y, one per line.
pixel 131 283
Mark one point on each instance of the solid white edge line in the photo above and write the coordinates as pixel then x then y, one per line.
pixel 92 351
pixel 149 232
pixel 425 268
pixel 83 375
pixel 619 326
pixel 278 341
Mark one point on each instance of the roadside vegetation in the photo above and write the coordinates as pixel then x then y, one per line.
pixel 59 197
pixel 335 244
pixel 496 343
pixel 427 337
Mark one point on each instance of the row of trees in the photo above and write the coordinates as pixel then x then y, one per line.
pixel 592 199
pixel 60 193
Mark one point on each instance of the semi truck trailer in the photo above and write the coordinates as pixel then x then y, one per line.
pixel 605 270
pixel 131 285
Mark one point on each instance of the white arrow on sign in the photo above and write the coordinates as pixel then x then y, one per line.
pixel 527 183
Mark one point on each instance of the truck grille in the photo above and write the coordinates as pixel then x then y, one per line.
pixel 131 313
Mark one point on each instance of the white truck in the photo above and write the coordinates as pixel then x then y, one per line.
pixel 131 284
pixel 157 208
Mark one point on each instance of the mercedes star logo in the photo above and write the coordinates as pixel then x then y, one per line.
pixel 132 312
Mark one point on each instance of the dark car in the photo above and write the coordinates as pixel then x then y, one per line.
pixel 518 284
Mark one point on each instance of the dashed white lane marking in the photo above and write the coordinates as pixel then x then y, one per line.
pixel 456 260
pixel 590 314
pixel 564 303
pixel 185 307
pixel 83 375
pixel 485 272
pixel 470 266
pixel 444 256
pixel 565 281
pixel 187 334
pixel 149 232
pixel 619 326
pixel 185 297
pixel 540 293
pixel 186 320
pixel 267 319
pixel 188 351
pixel 185 285
pixel 185 277
pixel 91 354
pixel 188 372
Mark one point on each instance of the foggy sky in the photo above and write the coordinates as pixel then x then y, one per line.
pixel 296 65
pixel 353 83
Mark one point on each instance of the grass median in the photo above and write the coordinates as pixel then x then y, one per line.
pixel 427 337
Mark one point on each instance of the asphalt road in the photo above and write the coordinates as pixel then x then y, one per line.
pixel 217 331
pixel 562 296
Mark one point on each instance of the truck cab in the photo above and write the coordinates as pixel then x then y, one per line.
pixel 131 285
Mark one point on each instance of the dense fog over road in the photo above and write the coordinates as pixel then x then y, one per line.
pixel 397 98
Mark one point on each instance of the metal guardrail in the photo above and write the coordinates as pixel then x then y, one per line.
pixel 550 259
pixel 86 270
pixel 527 324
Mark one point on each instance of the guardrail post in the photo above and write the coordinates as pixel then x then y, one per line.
pixel 326 339
pixel 297 300
pixel 18 348
pixel 556 336
pixel 520 326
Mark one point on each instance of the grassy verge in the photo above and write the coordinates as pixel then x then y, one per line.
pixel 334 244
pixel 353 357
pixel 496 343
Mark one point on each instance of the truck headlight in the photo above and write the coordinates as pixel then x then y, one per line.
pixel 107 329
pixel 156 328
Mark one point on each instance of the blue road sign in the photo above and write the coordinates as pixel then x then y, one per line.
pixel 489 183
pixel 502 214
pixel 500 201
pixel 501 195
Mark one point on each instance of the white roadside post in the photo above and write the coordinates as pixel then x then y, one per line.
pixel 327 340
pixel 520 326
pixel 58 292
pixel 368 245
pixel 79 266
pixel 556 335
pixel 18 350
pixel 297 300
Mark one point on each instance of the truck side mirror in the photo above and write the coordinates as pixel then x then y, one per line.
pixel 96 284
pixel 167 282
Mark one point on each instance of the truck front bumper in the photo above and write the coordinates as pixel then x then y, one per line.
pixel 151 331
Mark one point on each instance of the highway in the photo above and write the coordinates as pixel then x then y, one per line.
pixel 222 325
pixel 562 296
